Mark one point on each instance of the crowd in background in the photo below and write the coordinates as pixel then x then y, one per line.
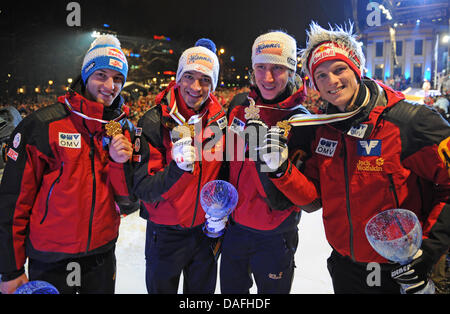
pixel 137 107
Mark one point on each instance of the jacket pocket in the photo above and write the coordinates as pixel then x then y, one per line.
pixel 50 193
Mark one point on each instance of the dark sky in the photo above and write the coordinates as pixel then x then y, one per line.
pixel 232 24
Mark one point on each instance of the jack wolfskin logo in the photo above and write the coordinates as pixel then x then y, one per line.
pixel 275 276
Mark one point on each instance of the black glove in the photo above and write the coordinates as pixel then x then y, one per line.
pixel 415 273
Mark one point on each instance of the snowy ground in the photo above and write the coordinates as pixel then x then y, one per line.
pixel 311 275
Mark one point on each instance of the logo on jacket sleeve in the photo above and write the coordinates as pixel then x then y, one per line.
pixel 237 126
pixel 70 140
pixel 369 148
pixel 12 154
pixel 326 147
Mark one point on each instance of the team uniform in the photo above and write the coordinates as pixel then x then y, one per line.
pixel 60 192
pixel 171 196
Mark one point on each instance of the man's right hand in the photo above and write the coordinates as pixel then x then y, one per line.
pixel 9 287
pixel 183 153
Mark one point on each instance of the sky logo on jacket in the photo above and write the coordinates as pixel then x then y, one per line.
pixel 369 148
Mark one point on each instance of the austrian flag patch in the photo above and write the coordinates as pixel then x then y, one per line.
pixel 12 154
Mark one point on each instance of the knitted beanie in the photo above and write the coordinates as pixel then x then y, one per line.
pixel 105 52
pixel 201 58
pixel 276 48
pixel 333 44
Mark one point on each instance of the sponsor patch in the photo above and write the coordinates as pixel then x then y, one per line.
pixel 115 63
pixel 358 131
pixel 16 140
pixel 138 131
pixel 12 154
pixel 114 52
pixel 90 66
pixel 321 52
pixel 369 148
pixel 200 58
pixel 269 47
pixel 136 158
pixel 330 49
pixel 70 140
pixel 237 126
pixel 222 122
pixel 367 165
pixel 326 147
pixel 137 145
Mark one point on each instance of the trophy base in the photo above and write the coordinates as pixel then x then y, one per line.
pixel 37 287
pixel 213 233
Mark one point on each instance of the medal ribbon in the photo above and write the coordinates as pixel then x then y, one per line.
pixel 178 117
pixel 316 119
pixel 69 106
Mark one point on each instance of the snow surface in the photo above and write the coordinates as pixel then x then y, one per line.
pixel 311 274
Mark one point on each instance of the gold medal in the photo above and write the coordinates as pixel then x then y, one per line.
pixel 113 128
pixel 182 131
pixel 251 112
pixel 285 126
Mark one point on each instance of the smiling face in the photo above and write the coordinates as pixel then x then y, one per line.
pixel 271 79
pixel 103 86
pixel 195 88
pixel 336 82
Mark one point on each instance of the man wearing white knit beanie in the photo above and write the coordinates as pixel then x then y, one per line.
pixel 173 168
pixel 280 50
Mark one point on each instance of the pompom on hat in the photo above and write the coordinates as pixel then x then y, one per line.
pixel 201 58
pixel 275 47
pixel 105 53
pixel 332 44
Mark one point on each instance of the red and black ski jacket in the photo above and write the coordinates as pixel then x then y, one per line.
pixel 59 188
pixel 264 204
pixel 170 195
pixel 390 155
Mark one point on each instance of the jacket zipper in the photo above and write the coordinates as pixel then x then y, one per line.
pixel 392 188
pixel 347 195
pixel 50 192
pixel 198 193
pixel 91 218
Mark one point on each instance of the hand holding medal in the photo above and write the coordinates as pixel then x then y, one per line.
pixel 113 128
pixel 120 148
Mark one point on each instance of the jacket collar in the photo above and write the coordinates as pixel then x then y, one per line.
pixel 288 99
pixel 381 97
pixel 92 109
pixel 175 111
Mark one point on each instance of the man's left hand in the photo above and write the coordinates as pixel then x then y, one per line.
pixel 415 274
pixel 120 149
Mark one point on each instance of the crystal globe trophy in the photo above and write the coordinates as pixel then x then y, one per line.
pixel 218 199
pixel 396 235
pixel 37 287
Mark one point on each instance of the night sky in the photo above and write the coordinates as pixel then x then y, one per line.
pixel 231 24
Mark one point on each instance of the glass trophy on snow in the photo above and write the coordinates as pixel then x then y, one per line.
pixel 218 199
pixel 37 287
pixel 396 235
